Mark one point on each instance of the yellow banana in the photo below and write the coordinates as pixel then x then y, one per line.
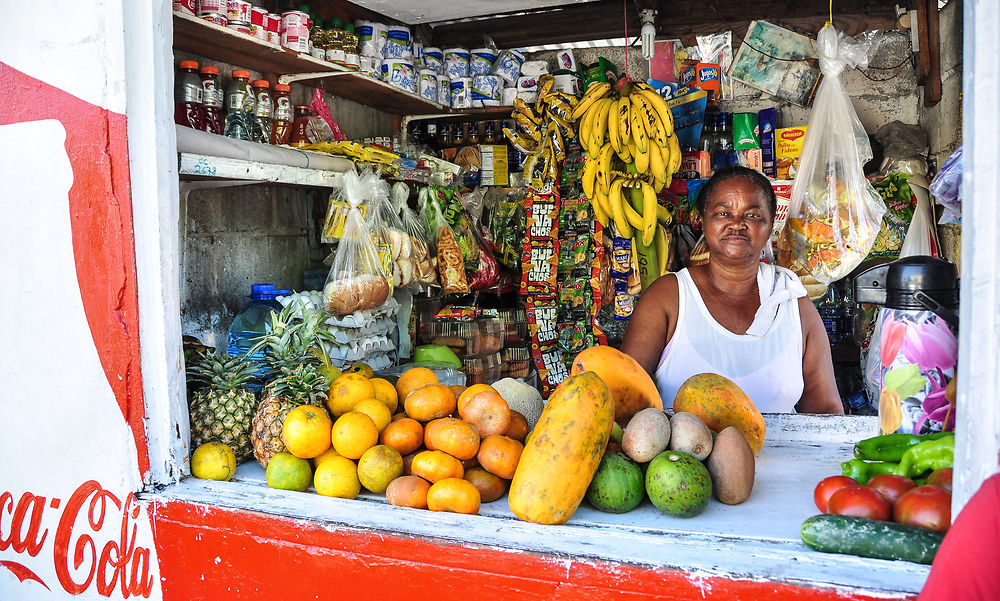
pixel 663 214
pixel 589 173
pixel 595 92
pixel 586 128
pixel 656 167
pixel 648 213
pixel 654 130
pixel 601 125
pixel 626 153
pixel 640 157
pixel 637 126
pixel 624 125
pixel 604 166
pixel 658 104
pixel 658 185
pixel 600 199
pixel 616 201
pixel 674 145
pixel 661 242
pixel 613 135
pixel 634 219
pixel 599 213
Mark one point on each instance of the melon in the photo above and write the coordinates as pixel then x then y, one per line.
pixel 618 484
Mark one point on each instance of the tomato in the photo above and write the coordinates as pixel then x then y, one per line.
pixel 828 486
pixel 891 487
pixel 860 501
pixel 941 477
pixel 924 506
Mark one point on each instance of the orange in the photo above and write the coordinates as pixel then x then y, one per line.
pixel 353 434
pixel 491 487
pixel 485 409
pixel 374 409
pixel 453 494
pixel 327 454
pixel 405 435
pixel 408 463
pixel 430 402
pixel 337 477
pixel 518 428
pixel 453 436
pixel 306 431
pixel 414 378
pixel 499 455
pixel 436 465
pixel 386 393
pixel 347 391
pixel 408 491
pixel 361 368
pixel 379 466
pixel 288 472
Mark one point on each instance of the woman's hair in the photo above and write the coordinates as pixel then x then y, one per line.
pixel 750 175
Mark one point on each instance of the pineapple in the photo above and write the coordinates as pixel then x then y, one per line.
pixel 222 407
pixel 294 357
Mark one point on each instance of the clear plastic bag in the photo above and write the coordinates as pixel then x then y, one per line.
pixel 420 244
pixel 835 213
pixel 410 252
pixel 947 188
pixel 387 231
pixel 356 281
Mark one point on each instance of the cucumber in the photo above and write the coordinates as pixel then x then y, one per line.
pixel 870 538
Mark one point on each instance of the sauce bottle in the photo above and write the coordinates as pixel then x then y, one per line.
pixel 188 96
pixel 240 105
pixel 281 120
pixel 263 107
pixel 211 99
pixel 299 125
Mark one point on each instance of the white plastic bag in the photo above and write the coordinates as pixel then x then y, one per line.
pixel 835 214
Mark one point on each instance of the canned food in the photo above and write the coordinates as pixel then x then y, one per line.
pixel 295 18
pixel 238 10
pixel 296 39
pixel 188 7
pixel 273 37
pixel 273 23
pixel 240 26
pixel 207 7
pixel 216 18
pixel 258 32
pixel 258 16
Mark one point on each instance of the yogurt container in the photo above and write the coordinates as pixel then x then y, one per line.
pixel 433 59
pixel 481 61
pixel 397 42
pixel 456 63
pixel 238 10
pixel 487 87
pixel 427 87
pixel 209 7
pixel 508 65
pixel 188 7
pixel 461 93
pixel 400 73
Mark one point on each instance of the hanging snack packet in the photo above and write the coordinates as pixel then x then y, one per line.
pixel 835 213
pixel 450 263
pixel 356 281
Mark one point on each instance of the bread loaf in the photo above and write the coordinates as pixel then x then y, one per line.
pixel 351 293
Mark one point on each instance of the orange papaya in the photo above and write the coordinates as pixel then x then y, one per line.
pixel 720 403
pixel 631 387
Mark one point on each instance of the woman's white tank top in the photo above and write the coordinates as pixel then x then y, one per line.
pixel 767 367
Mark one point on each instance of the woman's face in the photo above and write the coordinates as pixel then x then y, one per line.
pixel 737 220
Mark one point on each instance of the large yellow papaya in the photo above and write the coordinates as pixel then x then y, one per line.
pixel 720 403
pixel 631 387
pixel 563 452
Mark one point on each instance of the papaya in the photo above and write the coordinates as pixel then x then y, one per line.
pixel 720 403
pixel 631 387
pixel 561 456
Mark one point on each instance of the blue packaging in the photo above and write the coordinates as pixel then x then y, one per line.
pixel 767 120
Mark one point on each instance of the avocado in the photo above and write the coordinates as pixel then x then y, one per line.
pixel 678 484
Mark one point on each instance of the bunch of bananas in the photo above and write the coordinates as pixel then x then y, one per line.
pixel 632 154
pixel 540 131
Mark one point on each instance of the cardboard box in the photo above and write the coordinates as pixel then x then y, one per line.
pixel 788 148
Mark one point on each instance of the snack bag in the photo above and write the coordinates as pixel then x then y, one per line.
pixel 425 271
pixel 834 214
pixel 356 281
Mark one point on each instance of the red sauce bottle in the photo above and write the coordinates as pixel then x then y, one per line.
pixel 299 137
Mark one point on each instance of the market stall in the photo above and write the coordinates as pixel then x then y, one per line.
pixel 488 238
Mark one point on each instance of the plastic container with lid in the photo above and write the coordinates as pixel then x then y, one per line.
pixel 481 370
pixel 299 126
pixel 516 362
pixel 263 107
pixel 477 337
pixel 281 118
pixel 446 373
pixel 240 103
pixel 189 96
pixel 252 322
pixel 211 99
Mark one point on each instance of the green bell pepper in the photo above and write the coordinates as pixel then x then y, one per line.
pixel 863 471
pixel 891 447
pixel 927 456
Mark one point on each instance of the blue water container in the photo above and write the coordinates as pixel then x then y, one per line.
pixel 253 322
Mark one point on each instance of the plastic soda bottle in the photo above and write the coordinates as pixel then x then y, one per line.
pixel 240 105
pixel 263 107
pixel 188 96
pixel 211 99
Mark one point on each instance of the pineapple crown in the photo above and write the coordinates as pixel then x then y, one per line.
pixel 294 338
pixel 220 371
pixel 302 384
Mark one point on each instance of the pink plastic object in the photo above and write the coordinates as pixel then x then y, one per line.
pixel 319 107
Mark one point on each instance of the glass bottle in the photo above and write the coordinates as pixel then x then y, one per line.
pixel 211 99
pixel 188 96
pixel 263 107
pixel 240 104
pixel 281 119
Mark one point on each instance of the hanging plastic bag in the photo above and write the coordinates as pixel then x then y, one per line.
pixel 834 214
pixel 947 188
pixel 413 262
pixel 356 281
pixel 387 231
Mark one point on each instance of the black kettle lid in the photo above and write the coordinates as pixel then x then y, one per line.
pixel 904 283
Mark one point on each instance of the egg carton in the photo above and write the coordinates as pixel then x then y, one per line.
pixel 311 301
pixel 382 325
pixel 377 361
pixel 355 350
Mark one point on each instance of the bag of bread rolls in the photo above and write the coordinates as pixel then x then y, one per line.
pixel 356 281
pixel 418 267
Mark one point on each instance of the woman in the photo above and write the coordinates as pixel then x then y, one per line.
pixel 735 316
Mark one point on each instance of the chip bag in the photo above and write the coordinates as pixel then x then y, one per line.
pixel 356 281
pixel 834 214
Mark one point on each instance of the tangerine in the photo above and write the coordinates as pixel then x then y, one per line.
pixel 374 409
pixel 408 491
pixel 499 455
pixel 414 378
pixel 518 428
pixel 491 487
pixel 288 472
pixel 430 402
pixel 306 431
pixel 347 391
pixel 485 409
pixel 453 436
pixel 337 477
pixel 354 433
pixel 386 393
pixel 379 466
pixel 453 494
pixel 405 435
pixel 436 465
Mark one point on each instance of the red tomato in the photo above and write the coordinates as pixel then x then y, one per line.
pixel 892 487
pixel 924 506
pixel 941 477
pixel 860 501
pixel 828 486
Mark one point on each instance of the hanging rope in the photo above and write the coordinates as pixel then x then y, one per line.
pixel 625 3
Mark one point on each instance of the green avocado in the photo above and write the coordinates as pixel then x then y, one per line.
pixel 678 484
